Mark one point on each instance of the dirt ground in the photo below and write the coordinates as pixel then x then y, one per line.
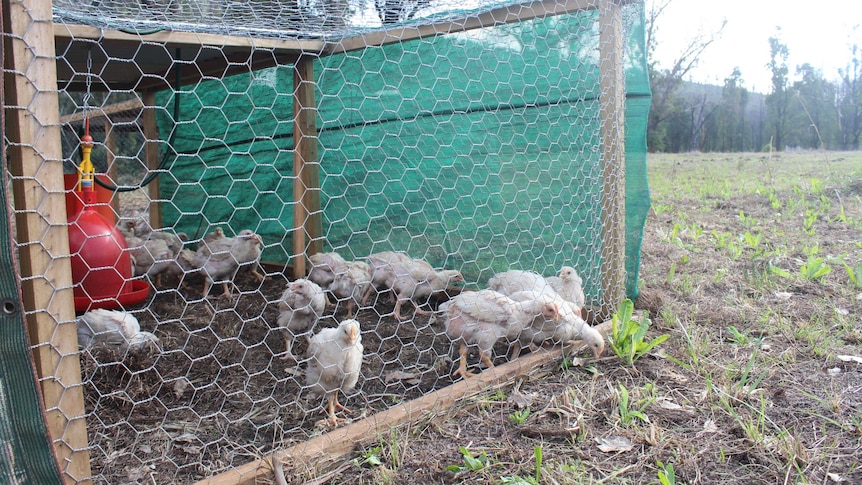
pixel 749 389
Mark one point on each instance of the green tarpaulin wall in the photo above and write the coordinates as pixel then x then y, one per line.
pixel 479 151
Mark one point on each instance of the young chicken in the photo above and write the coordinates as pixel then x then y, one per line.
pixel 351 284
pixel 117 329
pixel 569 327
pixel 335 358
pixel 324 267
pixel 299 308
pixel 150 257
pixel 481 318
pixel 514 280
pixel 383 270
pixel 221 259
pixel 569 285
pixel 417 282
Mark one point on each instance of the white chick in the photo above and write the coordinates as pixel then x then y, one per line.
pixel 299 309
pixel 417 282
pixel 351 284
pixel 335 358
pixel 324 267
pixel 220 259
pixel 481 318
pixel 569 327
pixel 117 329
pixel 569 285
pixel 513 281
pixel 383 270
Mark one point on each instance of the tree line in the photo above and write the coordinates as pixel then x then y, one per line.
pixel 801 111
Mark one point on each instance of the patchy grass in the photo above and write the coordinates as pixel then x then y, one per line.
pixel 749 388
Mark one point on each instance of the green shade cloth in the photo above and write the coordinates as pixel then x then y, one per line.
pixel 479 151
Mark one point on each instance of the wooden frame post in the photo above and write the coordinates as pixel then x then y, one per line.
pixel 307 221
pixel 151 152
pixel 612 101
pixel 35 160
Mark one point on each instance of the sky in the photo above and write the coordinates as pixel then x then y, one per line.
pixel 819 33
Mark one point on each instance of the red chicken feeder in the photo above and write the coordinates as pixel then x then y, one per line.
pixel 101 265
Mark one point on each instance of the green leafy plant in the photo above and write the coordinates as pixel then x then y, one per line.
pixel 752 240
pixel 855 274
pixel 809 221
pixel 814 269
pixel 519 417
pixel 748 222
pixel 739 338
pixel 534 480
pixel 627 414
pixel 470 463
pixel 628 335
pixel 666 475
pixel 370 458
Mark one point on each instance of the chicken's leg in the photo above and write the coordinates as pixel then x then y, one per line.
pixel 330 409
pixel 339 406
pixel 462 365
pixel 288 344
pixel 207 285
pixel 487 360
pixel 398 310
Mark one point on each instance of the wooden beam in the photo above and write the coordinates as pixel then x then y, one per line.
pixel 315 456
pixel 612 106
pixel 36 165
pixel 102 112
pixel 172 38
pixel 499 16
pixel 151 151
pixel 307 224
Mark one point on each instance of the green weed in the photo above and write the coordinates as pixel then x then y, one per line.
pixel 627 336
pixel 855 274
pixel 470 463
pixel 809 221
pixel 666 475
pixel 814 269
pixel 533 480
pixel 627 414
pixel 519 417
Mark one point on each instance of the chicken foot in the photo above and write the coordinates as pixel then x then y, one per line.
pixel 331 405
pixel 462 364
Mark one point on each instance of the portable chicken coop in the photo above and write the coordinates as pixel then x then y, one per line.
pixel 479 136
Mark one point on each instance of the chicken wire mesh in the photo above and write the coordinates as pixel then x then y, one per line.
pixel 476 151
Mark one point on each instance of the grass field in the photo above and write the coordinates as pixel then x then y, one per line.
pixel 752 265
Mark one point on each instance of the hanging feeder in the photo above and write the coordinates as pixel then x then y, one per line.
pixel 101 264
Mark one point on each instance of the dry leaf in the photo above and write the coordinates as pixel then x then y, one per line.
pixel 180 386
pixel 666 403
pixel 614 444
pixel 411 378
pixel 833 371
pixel 836 477
pixel 783 295
pixel 521 400
pixel 849 358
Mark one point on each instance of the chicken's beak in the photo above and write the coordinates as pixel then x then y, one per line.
pixel 597 352
pixel 353 334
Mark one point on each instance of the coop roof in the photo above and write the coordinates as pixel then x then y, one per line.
pixel 227 37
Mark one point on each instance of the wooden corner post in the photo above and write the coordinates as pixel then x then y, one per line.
pixel 612 101
pixel 307 221
pixel 35 161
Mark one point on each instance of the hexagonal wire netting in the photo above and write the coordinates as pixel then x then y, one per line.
pixel 476 149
